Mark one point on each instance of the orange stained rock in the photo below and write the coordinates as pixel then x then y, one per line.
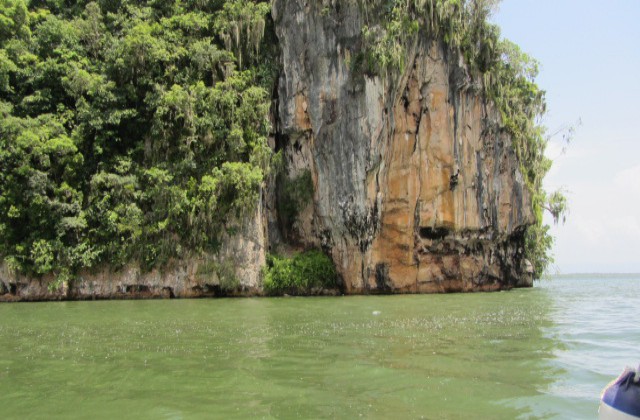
pixel 302 116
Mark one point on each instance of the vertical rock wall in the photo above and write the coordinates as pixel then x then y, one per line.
pixel 416 189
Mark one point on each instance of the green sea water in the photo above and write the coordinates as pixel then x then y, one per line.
pixel 542 353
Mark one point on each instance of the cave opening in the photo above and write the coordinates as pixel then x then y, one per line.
pixel 433 233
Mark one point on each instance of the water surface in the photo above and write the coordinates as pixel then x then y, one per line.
pixel 542 353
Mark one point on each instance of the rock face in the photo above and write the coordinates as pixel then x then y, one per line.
pixel 235 270
pixel 415 187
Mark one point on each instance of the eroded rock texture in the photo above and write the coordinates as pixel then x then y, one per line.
pixel 234 271
pixel 415 187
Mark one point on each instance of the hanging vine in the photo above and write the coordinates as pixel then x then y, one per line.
pixel 241 26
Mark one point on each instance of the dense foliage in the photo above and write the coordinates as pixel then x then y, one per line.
pixel 501 70
pixel 129 130
pixel 300 274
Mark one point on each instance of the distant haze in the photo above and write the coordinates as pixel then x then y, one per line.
pixel 589 57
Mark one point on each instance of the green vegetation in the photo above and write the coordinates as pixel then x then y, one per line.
pixel 300 274
pixel 506 74
pixel 460 24
pixel 129 130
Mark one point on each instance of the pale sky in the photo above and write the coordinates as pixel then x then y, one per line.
pixel 589 52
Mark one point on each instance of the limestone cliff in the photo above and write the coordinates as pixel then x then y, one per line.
pixel 416 189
